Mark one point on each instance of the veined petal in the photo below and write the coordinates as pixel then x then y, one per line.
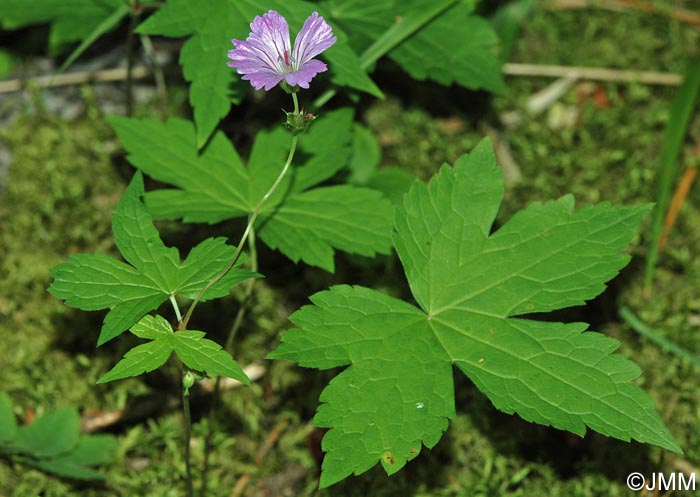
pixel 303 76
pixel 263 80
pixel 265 58
pixel 315 37
pixel 265 51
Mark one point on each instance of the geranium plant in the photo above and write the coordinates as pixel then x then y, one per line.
pixel 473 287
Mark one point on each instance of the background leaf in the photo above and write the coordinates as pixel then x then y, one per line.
pixel 303 222
pixel 8 425
pixel 91 450
pixel 71 20
pixel 440 41
pixel 54 433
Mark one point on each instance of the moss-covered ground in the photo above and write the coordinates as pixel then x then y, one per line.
pixel 65 179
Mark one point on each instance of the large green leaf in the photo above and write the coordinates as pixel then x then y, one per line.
pixel 303 222
pixel 210 25
pixel 153 274
pixel 472 289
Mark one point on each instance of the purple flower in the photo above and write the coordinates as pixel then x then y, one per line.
pixel 265 57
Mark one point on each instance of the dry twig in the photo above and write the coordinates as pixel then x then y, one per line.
pixel 594 73
pixel 74 78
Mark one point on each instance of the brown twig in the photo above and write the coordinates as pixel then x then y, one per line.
pixel 74 78
pixel 679 14
pixel 679 197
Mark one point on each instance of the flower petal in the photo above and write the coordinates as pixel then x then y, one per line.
pixel 315 37
pixel 261 57
pixel 263 80
pixel 302 76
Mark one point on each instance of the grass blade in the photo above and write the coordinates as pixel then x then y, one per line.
pixel 674 135
pixel 105 26
pixel 657 338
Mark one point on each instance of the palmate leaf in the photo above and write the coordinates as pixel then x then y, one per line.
pixel 303 222
pixel 210 25
pixel 153 272
pixel 195 351
pixel 456 46
pixel 397 393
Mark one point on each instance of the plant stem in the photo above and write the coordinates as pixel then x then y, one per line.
pixel 187 415
pixel 133 21
pixel 158 74
pixel 249 227
pixel 176 307
pixel 237 322
pixel 188 437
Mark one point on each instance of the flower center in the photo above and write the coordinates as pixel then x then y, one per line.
pixel 287 61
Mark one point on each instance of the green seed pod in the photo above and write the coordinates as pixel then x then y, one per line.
pixel 188 380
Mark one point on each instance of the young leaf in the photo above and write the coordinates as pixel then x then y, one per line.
pixel 195 351
pixel 153 273
pixel 139 360
pixel 211 24
pixel 470 286
pixel 303 222
pixel 201 354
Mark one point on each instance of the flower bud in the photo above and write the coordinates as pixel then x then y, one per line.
pixel 188 380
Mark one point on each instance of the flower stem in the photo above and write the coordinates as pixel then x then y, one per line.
pixel 216 394
pixel 188 437
pixel 188 417
pixel 248 229
pixel 176 307
pixel 130 56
